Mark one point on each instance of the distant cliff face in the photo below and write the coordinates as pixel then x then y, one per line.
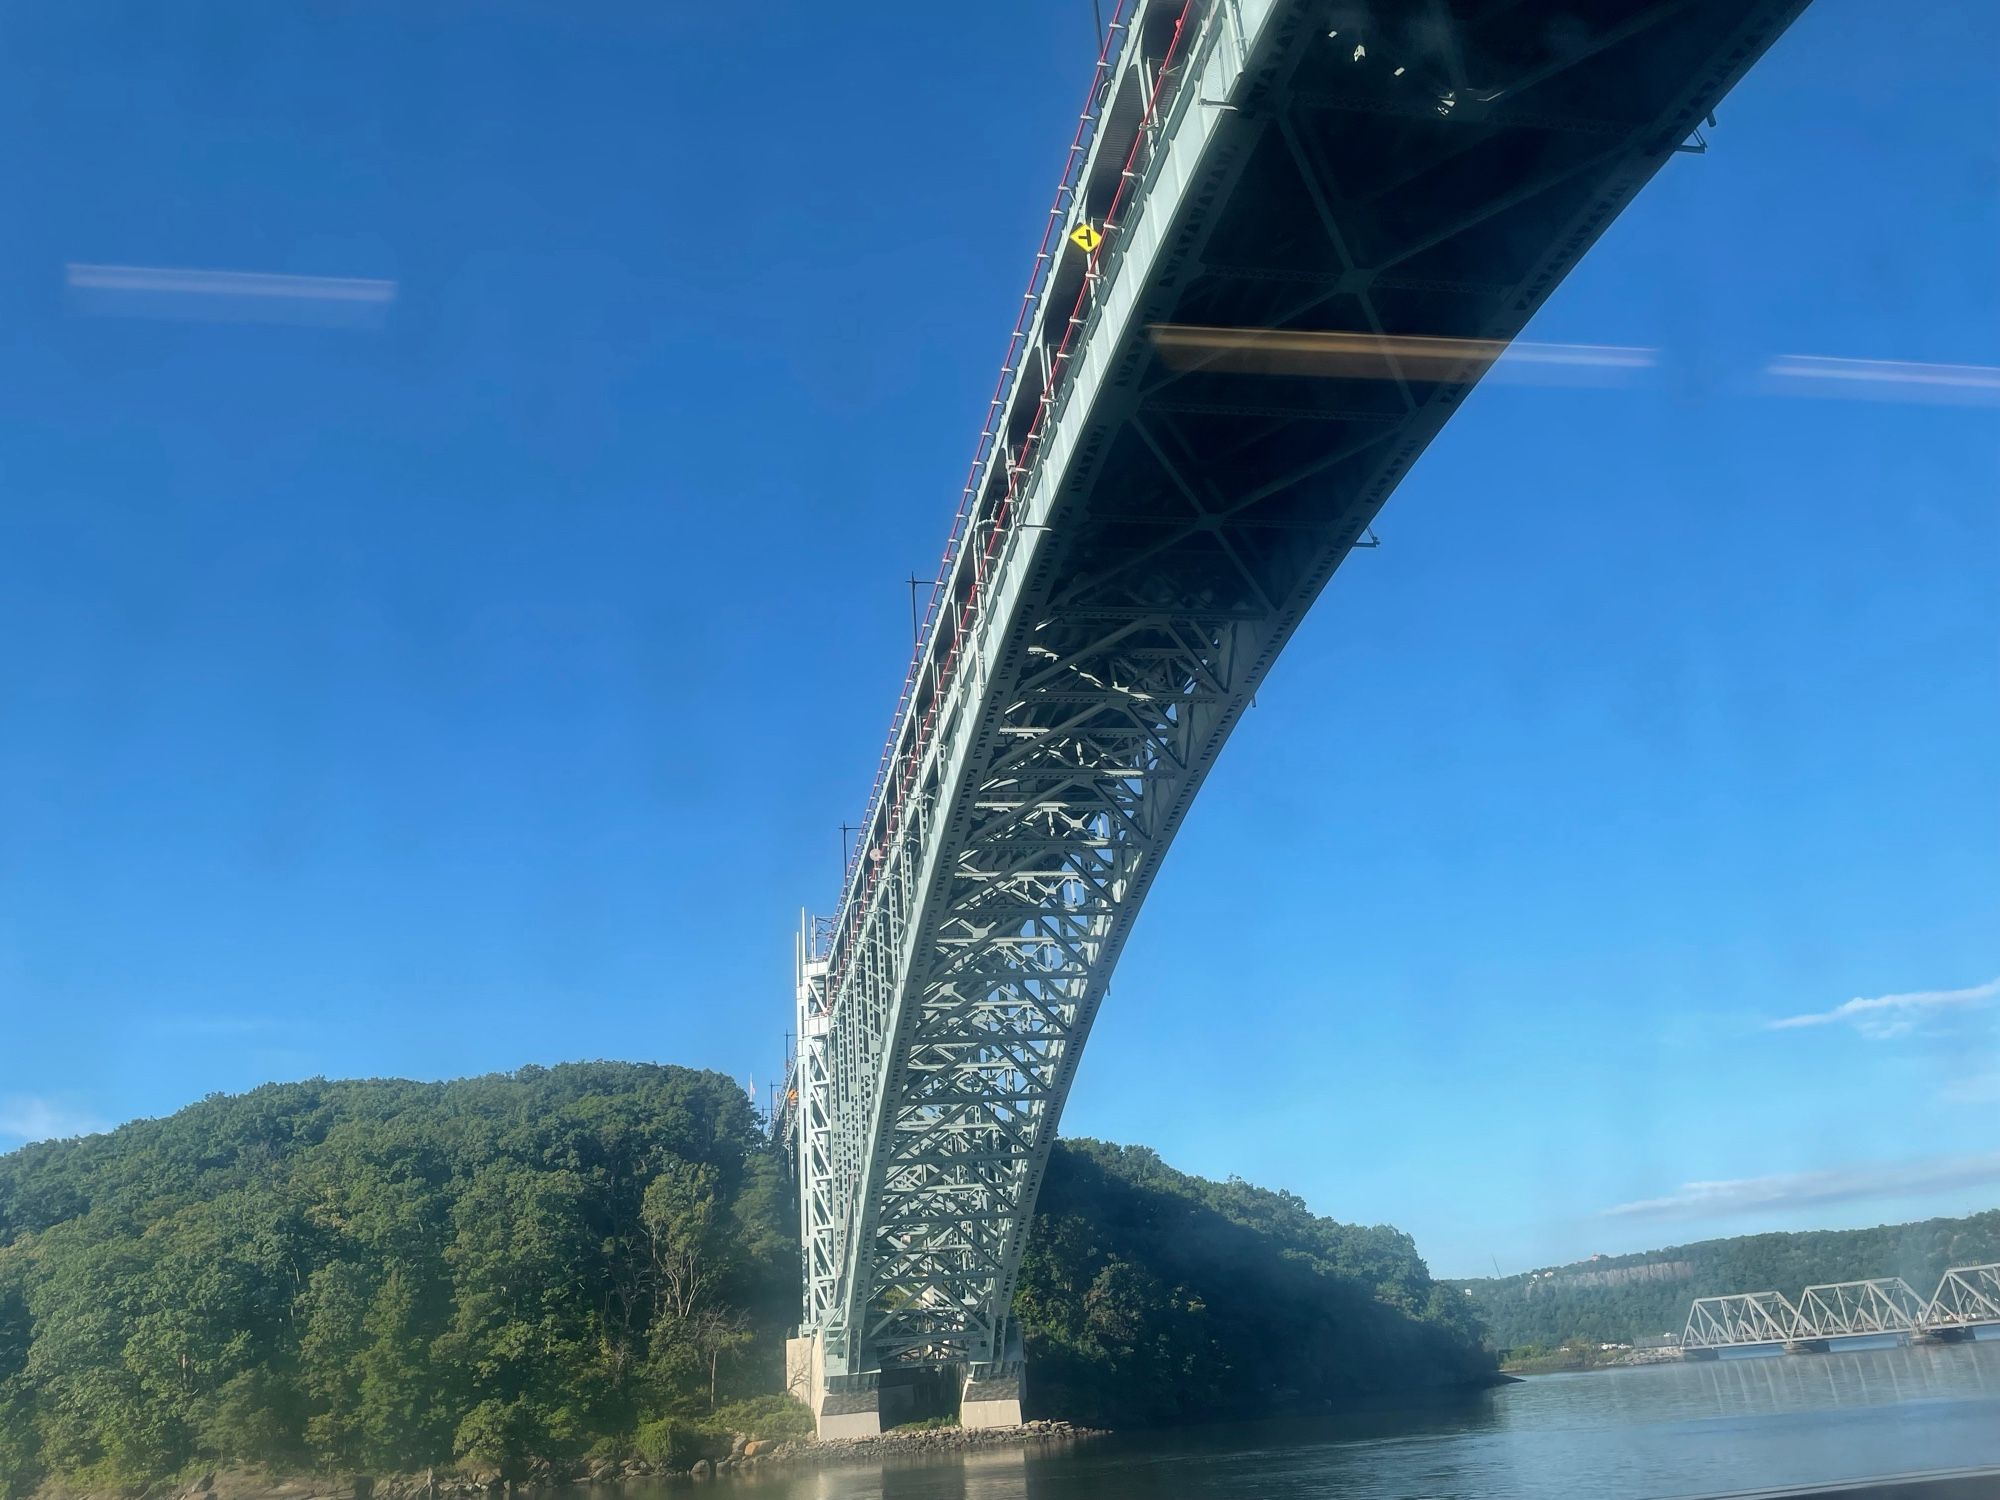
pixel 1540 1282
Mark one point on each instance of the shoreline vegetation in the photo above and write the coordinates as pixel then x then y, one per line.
pixel 744 1455
pixel 1574 1355
pixel 584 1274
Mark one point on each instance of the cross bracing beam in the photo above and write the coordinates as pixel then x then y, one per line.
pixel 1886 1304
pixel 1740 1318
pixel 1139 540
pixel 1966 1297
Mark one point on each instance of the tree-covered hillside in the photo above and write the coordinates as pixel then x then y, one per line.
pixel 1622 1297
pixel 381 1277
pixel 386 1275
pixel 1149 1296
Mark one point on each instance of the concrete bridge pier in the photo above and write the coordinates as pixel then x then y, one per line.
pixel 861 1405
pixel 992 1396
pixel 844 1406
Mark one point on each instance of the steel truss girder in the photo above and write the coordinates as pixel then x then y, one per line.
pixel 1885 1304
pixel 1161 536
pixel 1966 1297
pixel 1741 1318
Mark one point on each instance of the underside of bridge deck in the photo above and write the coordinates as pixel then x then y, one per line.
pixel 1322 221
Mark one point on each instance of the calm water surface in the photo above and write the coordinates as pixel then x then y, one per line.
pixel 1661 1430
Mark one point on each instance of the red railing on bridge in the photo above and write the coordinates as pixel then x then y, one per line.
pixel 857 897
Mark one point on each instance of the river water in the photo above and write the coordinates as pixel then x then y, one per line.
pixel 1738 1424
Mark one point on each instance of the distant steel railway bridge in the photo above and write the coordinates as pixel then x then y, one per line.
pixel 1290 238
pixel 1967 1298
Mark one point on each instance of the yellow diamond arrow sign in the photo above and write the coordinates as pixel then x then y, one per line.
pixel 1085 238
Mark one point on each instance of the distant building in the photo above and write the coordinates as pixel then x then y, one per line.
pixel 1658 1341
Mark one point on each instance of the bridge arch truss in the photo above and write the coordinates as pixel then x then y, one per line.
pixel 1164 486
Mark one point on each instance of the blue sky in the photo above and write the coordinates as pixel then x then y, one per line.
pixel 477 671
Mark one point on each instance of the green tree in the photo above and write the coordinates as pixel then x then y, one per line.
pixel 333 1311
pixel 402 1398
pixel 681 1216
pixel 524 1327
pixel 256 1416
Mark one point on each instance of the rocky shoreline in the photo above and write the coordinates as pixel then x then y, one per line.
pixel 746 1456
pixel 919 1441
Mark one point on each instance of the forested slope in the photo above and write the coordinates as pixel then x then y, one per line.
pixel 386 1275
pixel 1149 1296
pixel 1622 1297
pixel 382 1276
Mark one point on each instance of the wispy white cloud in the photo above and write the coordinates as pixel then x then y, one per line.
pixel 1883 1017
pixel 229 283
pixel 228 296
pixel 1884 379
pixel 23 1117
pixel 1744 1195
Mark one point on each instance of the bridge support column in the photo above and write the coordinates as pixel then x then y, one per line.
pixel 992 1397
pixel 844 1407
pixel 849 1414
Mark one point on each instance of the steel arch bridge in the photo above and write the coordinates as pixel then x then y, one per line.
pixel 1290 237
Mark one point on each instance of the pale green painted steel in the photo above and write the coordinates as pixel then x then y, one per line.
pixel 1141 537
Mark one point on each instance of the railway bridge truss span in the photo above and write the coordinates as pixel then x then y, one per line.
pixel 1967 1298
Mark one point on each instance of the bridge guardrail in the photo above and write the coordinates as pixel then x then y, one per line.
pixel 957 637
pixel 1024 322
pixel 1181 62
